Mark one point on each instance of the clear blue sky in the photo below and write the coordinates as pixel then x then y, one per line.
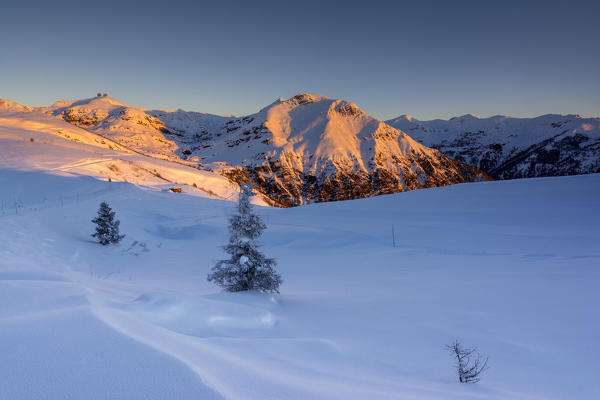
pixel 429 59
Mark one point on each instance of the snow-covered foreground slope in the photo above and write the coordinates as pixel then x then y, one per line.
pixel 510 267
pixel 31 141
pixel 508 148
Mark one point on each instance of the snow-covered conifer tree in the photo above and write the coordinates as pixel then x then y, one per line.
pixel 107 229
pixel 247 268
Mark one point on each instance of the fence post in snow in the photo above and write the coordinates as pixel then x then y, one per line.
pixel 393 236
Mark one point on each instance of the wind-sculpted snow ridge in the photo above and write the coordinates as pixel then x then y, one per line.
pixel 508 148
pixel 308 148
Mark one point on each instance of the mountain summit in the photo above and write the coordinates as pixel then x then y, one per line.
pixel 313 148
pixel 139 129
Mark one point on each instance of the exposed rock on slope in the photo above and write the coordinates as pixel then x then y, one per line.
pixel 508 148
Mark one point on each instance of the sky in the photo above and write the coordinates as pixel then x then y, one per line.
pixel 428 59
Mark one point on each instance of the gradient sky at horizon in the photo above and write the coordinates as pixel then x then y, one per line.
pixel 429 59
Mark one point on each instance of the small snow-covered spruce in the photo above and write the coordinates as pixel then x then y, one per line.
pixel 247 268
pixel 107 228
pixel 469 363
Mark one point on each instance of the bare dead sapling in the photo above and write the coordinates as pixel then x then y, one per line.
pixel 469 363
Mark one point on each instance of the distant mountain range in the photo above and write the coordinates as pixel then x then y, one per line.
pixel 508 148
pixel 311 148
pixel 308 148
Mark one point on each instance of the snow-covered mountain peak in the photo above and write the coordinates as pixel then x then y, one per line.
pixel 464 118
pixel 89 112
pixel 314 118
pixel 299 99
pixel 507 147
pixel 401 120
pixel 158 133
pixel 9 105
pixel 302 100
pixel 314 148
pixel 100 103
pixel 305 98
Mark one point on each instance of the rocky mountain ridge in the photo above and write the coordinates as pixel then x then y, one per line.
pixel 308 148
pixel 509 148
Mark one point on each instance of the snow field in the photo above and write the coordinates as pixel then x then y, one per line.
pixel 509 267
